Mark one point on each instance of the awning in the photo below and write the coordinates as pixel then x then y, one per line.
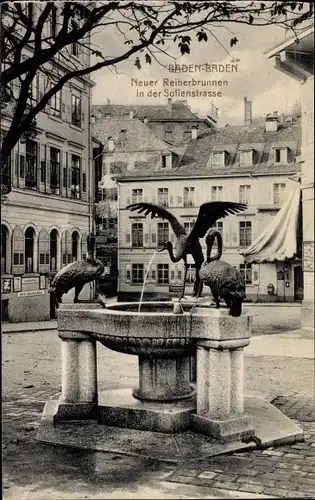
pixel 278 242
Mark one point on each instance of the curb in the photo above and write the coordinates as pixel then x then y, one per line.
pixel 7 328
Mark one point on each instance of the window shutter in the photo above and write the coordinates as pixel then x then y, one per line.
pixel 128 273
pixel 64 248
pixel 146 238
pixel 16 167
pixel 171 200
pixel 18 251
pixel 84 246
pixel 179 275
pixel 69 247
pixel 172 237
pixel 44 251
pixel 22 166
pixel 83 175
pixel 128 237
pixel 154 199
pixel 172 275
pixel 180 200
pixel 153 273
pixel 128 200
pixel 153 237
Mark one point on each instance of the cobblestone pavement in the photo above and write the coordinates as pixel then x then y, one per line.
pixel 285 471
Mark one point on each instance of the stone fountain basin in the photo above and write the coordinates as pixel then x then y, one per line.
pixel 155 330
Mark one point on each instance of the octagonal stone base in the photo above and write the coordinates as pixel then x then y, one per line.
pixel 119 408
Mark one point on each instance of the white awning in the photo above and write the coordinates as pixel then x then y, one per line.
pixel 278 242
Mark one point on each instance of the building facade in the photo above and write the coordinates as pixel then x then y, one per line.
pixel 172 122
pixel 48 212
pixel 295 57
pixel 247 164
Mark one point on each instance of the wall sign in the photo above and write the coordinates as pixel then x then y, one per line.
pixel 6 285
pixel 31 283
pixel 17 283
pixel 42 281
pixel 31 293
pixel 280 275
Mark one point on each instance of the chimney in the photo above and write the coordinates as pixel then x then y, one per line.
pixel 108 102
pixel 194 132
pixel 111 144
pixel 248 119
pixel 131 115
pixel 271 122
pixel 169 104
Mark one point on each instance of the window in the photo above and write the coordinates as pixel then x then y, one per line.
pixel 219 227
pixel 4 248
pixel 189 197
pixel 244 194
pixel 31 164
pixel 75 45
pixel 166 161
pixel 191 273
pixel 29 249
pixel 76 106
pixel 218 159
pixel 187 135
pixel 75 246
pixel 163 197
pixel 163 273
pixel 246 158
pixel 137 195
pixel 245 233
pixel 33 95
pixel 278 193
pixel 55 104
pixel 75 176
pixel 246 272
pixel 162 233
pixel 53 249
pixel 137 274
pixel 216 193
pixel 188 226
pixel 280 155
pixel 43 171
pixel 54 170
pixel 137 235
pixel 168 135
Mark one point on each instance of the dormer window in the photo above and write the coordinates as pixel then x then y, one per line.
pixel 246 158
pixel 280 155
pixel 218 159
pixel 166 161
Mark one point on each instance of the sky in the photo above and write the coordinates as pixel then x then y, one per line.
pixel 268 89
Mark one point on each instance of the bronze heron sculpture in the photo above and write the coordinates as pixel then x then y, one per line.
pixel 77 274
pixel 224 280
pixel 187 244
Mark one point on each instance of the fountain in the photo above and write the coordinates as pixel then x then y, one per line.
pixel 209 417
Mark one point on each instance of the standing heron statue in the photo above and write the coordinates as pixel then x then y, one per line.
pixel 224 280
pixel 77 274
pixel 188 244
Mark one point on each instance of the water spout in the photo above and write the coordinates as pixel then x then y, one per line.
pixel 145 279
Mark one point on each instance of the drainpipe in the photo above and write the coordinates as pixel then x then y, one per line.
pixel 118 225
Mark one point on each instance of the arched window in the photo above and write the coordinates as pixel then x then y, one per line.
pixel 75 246
pixel 53 249
pixel 4 249
pixel 29 238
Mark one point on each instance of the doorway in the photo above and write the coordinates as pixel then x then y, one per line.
pixel 298 284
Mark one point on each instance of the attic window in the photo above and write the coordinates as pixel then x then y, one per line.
pixel 280 155
pixel 246 157
pixel 218 159
pixel 166 162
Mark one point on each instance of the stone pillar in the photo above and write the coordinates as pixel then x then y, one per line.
pixel 307 156
pixel 163 379
pixel 78 376
pixel 220 372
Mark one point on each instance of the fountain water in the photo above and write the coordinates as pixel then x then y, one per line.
pixel 145 279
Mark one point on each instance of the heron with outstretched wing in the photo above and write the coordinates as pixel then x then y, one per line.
pixel 185 243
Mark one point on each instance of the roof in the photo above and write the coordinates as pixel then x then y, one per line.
pixel 278 242
pixel 177 111
pixel 196 161
pixel 129 134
